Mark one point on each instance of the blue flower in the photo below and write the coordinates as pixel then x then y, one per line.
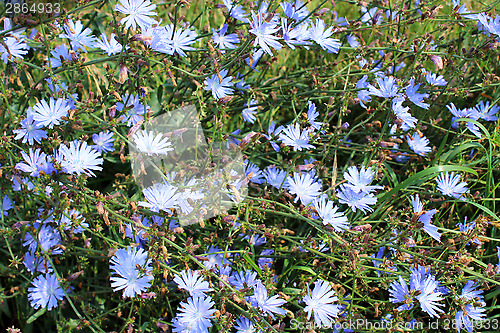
pixel 471 113
pixel 7 25
pixel 353 41
pixel 272 131
pixel 59 52
pixel 363 94
pixel 371 16
pixel 304 186
pixel 254 60
pixel 275 177
pixel 232 140
pixel 467 229
pixel 319 302
pixel 240 82
pixel 19 184
pixel 45 293
pixel 356 200
pixel 48 238
pixel 330 215
pixel 388 87
pixel 219 84
pixel 160 196
pixel 292 136
pixel 399 293
pixel 417 5
pixel 192 282
pixel 36 263
pixel 394 69
pixel 255 239
pixel 215 258
pixel 224 41
pixel 50 114
pixel 296 11
pixel 486 111
pixel 498 255
pixel 251 168
pixel 376 263
pixel 435 80
pixel 195 314
pixel 30 130
pixel 470 294
pixel 14 45
pixel 359 181
pixel 73 220
pixel 138 13
pixel 103 142
pixel 457 113
pixel 321 36
pixel 16 48
pixel 423 288
pixel 297 35
pixel 267 305
pixel 265 258
pixel 133 269
pixel 312 114
pixel 167 40
pixel 463 317
pixel 34 162
pixel 463 11
pixel 414 96
pixel 235 11
pixel 429 297
pixel 241 280
pixel 149 143
pixel 79 37
pixel 249 112
pixel 425 217
pixel 472 303
pixel 488 25
pixel 449 184
pixel 111 47
pixel 420 145
pixel 401 112
pixel 79 158
pixel 263 32
pixel 136 231
pixel 61 88
pixel 133 107
pixel 244 325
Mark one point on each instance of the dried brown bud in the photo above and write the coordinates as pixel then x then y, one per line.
pixel 100 208
pixel 105 217
pixel 122 77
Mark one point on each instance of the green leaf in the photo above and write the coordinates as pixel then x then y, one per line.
pixel 421 177
pixel 391 176
pixel 252 263
pixel 484 209
pixel 306 269
pixel 493 294
pixel 112 159
pixel 292 291
pixel 159 94
pixel 449 155
pixel 36 315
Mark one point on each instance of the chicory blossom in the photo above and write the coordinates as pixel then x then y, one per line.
pixel 219 85
pixel 320 303
pixel 45 292
pixel 449 184
pixel 133 269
